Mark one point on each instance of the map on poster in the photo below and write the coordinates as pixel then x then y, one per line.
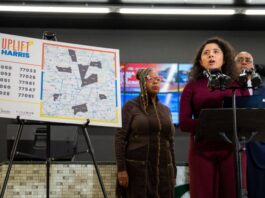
pixel 59 82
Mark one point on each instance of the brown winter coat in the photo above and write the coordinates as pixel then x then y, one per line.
pixel 146 152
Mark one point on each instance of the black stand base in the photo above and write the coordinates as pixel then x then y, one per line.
pixel 48 158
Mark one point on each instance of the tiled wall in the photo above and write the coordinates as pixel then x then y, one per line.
pixel 68 180
pixel 25 181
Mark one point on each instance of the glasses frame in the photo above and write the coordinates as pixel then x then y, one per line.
pixel 246 59
pixel 152 79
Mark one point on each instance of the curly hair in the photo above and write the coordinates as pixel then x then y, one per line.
pixel 228 67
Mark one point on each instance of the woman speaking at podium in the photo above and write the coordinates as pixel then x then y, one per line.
pixel 145 144
pixel 211 166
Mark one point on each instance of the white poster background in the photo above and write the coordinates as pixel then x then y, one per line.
pixel 59 82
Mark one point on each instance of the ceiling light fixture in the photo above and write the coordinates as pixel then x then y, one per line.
pixel 173 11
pixel 181 1
pixel 53 9
pixel 254 12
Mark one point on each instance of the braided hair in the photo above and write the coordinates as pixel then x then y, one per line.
pixel 141 76
pixel 144 100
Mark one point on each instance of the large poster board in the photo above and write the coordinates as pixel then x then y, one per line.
pixel 59 82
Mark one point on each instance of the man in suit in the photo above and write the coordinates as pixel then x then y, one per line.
pixel 255 150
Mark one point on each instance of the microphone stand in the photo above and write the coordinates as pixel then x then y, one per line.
pixel 237 147
pixel 219 82
pixel 236 143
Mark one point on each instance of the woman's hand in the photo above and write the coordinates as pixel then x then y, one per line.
pixel 123 178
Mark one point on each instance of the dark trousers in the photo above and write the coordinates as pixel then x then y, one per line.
pixel 255 170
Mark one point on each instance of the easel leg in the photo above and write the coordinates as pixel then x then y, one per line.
pixel 48 160
pixel 91 152
pixel 13 153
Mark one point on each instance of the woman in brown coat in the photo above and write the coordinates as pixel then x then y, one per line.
pixel 145 144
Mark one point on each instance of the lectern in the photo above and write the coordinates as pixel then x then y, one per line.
pixel 218 125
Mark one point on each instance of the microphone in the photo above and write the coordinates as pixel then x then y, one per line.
pixel 216 79
pixel 243 78
pixel 249 74
pixel 255 79
pixel 213 81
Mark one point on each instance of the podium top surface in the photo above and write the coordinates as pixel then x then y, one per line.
pixel 212 122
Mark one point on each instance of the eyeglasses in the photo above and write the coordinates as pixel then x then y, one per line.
pixel 242 59
pixel 152 79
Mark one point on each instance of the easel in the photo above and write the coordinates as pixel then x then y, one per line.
pixel 50 36
pixel 220 125
pixel 90 150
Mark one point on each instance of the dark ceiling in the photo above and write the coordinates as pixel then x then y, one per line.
pixel 119 21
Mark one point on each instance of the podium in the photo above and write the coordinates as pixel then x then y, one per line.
pixel 234 126
pixel 215 123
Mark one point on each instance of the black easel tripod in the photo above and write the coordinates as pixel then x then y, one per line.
pixel 22 123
